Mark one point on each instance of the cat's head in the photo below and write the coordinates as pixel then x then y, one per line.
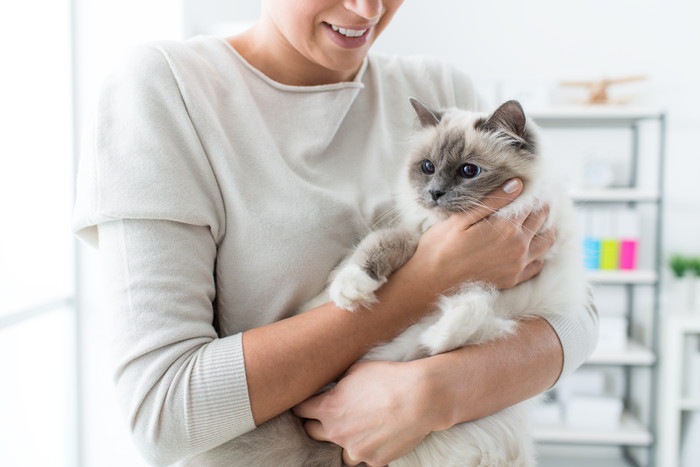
pixel 461 156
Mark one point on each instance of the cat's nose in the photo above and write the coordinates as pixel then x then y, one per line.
pixel 436 194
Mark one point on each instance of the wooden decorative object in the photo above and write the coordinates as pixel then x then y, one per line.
pixel 598 89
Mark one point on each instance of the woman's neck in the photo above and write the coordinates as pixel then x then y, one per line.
pixel 277 59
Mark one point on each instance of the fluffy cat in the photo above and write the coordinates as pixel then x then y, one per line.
pixel 458 158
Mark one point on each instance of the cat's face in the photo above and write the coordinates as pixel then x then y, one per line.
pixel 462 156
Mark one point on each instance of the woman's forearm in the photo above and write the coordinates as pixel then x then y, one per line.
pixel 289 360
pixel 475 381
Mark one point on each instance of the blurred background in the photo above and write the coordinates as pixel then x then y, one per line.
pixel 632 163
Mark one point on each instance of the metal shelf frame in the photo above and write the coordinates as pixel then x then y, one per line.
pixel 636 356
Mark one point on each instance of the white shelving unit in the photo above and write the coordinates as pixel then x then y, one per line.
pixel 633 435
pixel 677 327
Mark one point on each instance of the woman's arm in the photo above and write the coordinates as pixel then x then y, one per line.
pixel 431 394
pixel 501 373
pixel 435 393
pixel 290 360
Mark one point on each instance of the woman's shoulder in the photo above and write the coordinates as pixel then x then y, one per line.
pixel 191 59
pixel 434 78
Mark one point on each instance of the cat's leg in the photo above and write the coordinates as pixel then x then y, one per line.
pixel 467 317
pixel 376 257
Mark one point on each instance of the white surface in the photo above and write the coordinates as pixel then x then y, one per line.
pixel 595 112
pixel 36 247
pixel 585 381
pixel 37 387
pixel 593 412
pixel 633 354
pixel 612 334
pixel 579 462
pixel 639 277
pixel 616 195
pixel 630 433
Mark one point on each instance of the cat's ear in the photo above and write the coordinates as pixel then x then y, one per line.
pixel 508 118
pixel 426 116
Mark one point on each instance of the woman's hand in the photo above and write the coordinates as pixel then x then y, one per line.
pixel 475 246
pixel 377 412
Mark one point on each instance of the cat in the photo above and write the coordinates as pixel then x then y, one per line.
pixel 458 157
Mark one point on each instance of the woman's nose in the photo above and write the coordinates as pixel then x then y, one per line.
pixel 368 9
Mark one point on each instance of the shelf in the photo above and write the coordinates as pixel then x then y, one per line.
pixel 593 114
pixel 630 433
pixel 633 354
pixel 615 195
pixel 637 277
pixel 546 461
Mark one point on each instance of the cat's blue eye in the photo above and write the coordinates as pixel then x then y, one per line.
pixel 427 167
pixel 469 170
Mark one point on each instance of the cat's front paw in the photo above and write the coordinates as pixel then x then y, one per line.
pixel 353 288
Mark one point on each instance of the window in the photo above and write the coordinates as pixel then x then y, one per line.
pixel 37 286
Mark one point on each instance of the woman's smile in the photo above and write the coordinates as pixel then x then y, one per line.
pixel 348 38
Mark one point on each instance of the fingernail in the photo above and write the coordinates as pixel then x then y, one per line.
pixel 511 186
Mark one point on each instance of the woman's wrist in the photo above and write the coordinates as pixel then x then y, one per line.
pixel 439 402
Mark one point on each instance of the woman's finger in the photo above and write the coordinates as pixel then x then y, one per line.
pixel 491 203
pixel 315 430
pixel 347 460
pixel 541 243
pixel 535 220
pixel 310 408
pixel 531 270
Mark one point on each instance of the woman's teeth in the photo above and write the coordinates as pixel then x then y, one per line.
pixel 348 32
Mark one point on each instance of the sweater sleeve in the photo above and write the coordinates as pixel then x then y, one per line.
pixel 184 390
pixel 143 158
pixel 578 334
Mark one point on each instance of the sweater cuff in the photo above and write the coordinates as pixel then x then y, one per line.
pixel 578 334
pixel 219 408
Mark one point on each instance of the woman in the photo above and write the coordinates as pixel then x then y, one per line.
pixel 227 178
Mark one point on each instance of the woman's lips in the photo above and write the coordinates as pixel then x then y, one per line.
pixel 348 38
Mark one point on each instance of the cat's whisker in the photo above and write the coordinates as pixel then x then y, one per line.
pixel 479 203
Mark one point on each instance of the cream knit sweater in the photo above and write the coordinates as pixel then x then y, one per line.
pixel 222 201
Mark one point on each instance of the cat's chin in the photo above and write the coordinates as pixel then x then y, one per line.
pixel 440 214
pixel 432 216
